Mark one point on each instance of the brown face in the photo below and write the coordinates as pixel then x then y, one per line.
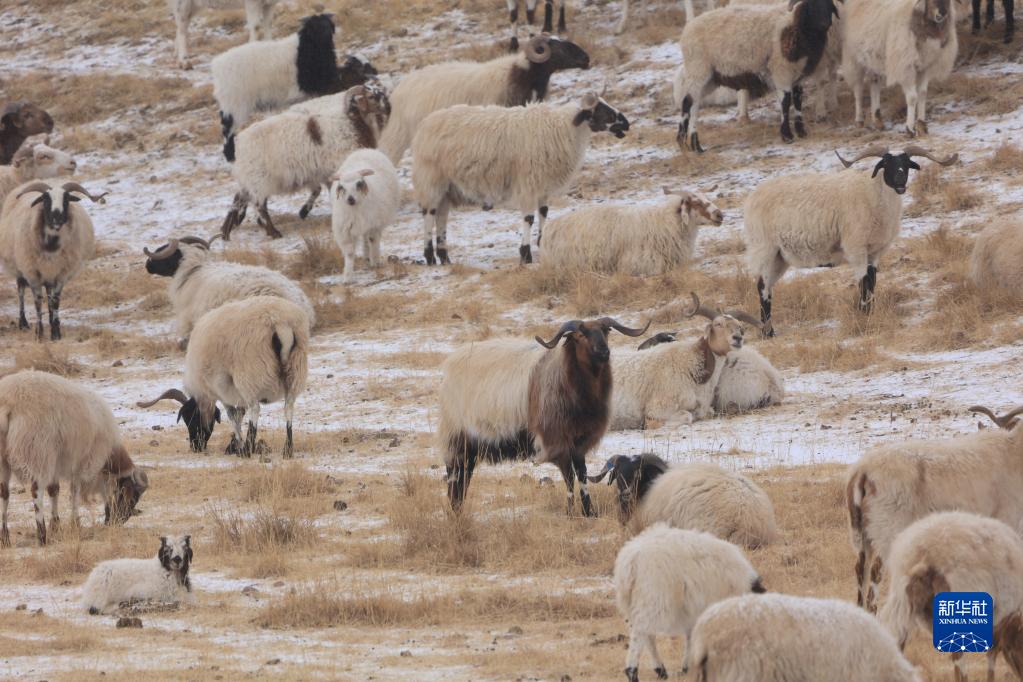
pixel 724 334
pixel 121 505
pixel 30 120
pixel 591 343
pixel 703 209
pixel 938 10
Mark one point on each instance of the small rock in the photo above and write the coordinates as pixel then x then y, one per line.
pixel 157 427
pixel 330 376
pixel 118 363
pixel 514 630
pixel 279 583
pixel 566 678
pixel 273 661
pixel 21 607
pixel 129 622
pixel 251 591
pixel 405 653
pixel 546 481
pixel 154 443
pixel 37 612
pixel 340 505
pixel 434 466
pixel 395 442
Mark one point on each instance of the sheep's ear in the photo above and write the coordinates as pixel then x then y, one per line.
pixel 362 187
pixel 163 541
pixel 366 172
pixel 188 540
pixel 589 101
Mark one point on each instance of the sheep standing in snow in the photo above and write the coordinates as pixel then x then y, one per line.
pixel 638 240
pixel 665 578
pixel 997 260
pixel 258 15
pixel 34 162
pixel 19 121
pixel 365 194
pixel 797 639
pixel 958 552
pixel 162 579
pixel 1007 6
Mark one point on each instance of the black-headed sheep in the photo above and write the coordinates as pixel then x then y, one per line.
pixel 162 579
pixel 18 121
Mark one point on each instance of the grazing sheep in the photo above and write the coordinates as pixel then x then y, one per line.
pixel 34 162
pixel 506 399
pixel 258 15
pixel 633 475
pixel 365 194
pixel 162 579
pixel 769 46
pixel 958 552
pixel 665 578
pixel 908 43
pixel 894 485
pixel 1010 25
pixel 997 261
pixel 199 284
pixel 796 639
pixel 530 154
pixel 508 81
pixel 810 220
pixel 18 121
pixel 674 383
pixel 245 354
pixel 45 239
pixel 638 240
pixel 294 150
pixel 54 430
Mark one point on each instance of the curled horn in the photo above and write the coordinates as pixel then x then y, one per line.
pixel 914 150
pixel 75 187
pixel 610 322
pixel 609 465
pixel 163 253
pixel 743 316
pixel 878 150
pixel 567 328
pixel 172 393
pixel 538 49
pixel 38 186
pixel 196 241
pixel 700 309
pixel 140 479
pixel 1005 421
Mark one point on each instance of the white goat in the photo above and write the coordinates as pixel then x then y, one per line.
pixel 162 579
pixel 365 196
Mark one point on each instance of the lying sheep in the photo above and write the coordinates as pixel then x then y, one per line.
pixel 365 196
pixel 244 354
pixel 19 121
pixel 258 15
pixel 674 383
pixel 200 284
pixel 997 260
pixel 638 240
pixel 665 578
pixel 54 430
pixel 508 81
pixel 34 162
pixel 958 552
pixel 894 485
pixel 45 239
pixel 796 639
pixel 162 579
pixel 530 154
pixel 633 475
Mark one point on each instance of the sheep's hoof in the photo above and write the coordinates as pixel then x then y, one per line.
pixel 910 132
pixel 513 45
pixel 273 233
pixel 921 127
pixel 22 323
pixel 55 332
pixel 234 447
pixel 303 212
pixel 39 331
pixel 786 133
pixel 5 538
pixel 632 674
pixel 428 254
pixel 860 124
pixel 694 143
pixel 442 254
pixel 525 255
pixel 662 673
pixel 800 128
pixel 262 448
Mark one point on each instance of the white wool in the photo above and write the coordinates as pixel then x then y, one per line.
pixel 367 178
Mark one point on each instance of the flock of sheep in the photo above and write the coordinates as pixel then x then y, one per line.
pixel 480 134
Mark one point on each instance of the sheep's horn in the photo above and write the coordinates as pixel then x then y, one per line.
pixel 38 186
pixel 172 393
pixel 610 322
pixel 743 316
pixel 197 241
pixel 659 338
pixel 878 150
pixel 75 187
pixel 163 252
pixel 914 150
pixel 140 479
pixel 608 466
pixel 700 309
pixel 538 49
pixel 1004 421
pixel 696 304
pixel 567 328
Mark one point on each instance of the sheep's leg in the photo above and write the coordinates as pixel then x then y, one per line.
pixel 786 103
pixel 289 415
pixel 548 16
pixel 266 223
pixel 37 293
pixel 744 106
pixel 53 491
pixel 637 642
pixel 234 216
pixel 226 124
pixel 857 87
pixel 348 249
pixel 685 652
pixel 525 255
pixel 567 473
pixel 429 220
pixel 690 10
pixel 253 19
pixel 182 10
pixel 1010 20
pixel 989 16
pixel 5 498
pixel 236 446
pixel 584 495
pixel 765 286
pixel 250 438
pixel 875 104
pixel 797 103
pixel 22 320
pixel 544 210
pixel 867 283
pixel 976 16
pixel 309 203
pixel 37 504
pixel 921 106
pixel 687 135
pixel 530 11
pixel 659 668
pixel 911 100
pixel 623 22
pixel 53 303
pixel 373 250
pixel 460 474
pixel 76 501
pixel 442 231
pixel 562 26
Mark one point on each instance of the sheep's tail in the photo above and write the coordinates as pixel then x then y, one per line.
pixel 291 360
pixel 229 148
pixel 855 493
pixel 896 615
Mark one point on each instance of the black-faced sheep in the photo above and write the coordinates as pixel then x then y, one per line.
pixel 34 162
pixel 18 121
pixel 258 15
pixel 365 195
pixel 160 580
pixel 54 430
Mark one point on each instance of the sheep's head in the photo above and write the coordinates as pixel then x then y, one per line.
pixel 724 332
pixel 697 208
pixel 199 419
pixel 934 11
pixel 633 475
pixel 588 340
pixel 56 208
pixel 355 71
pixel 317 28
pixel 43 162
pixel 556 54
pixel 814 16
pixel 896 167
pixel 122 484
pixel 601 116
pixel 1007 421
pixel 166 260
pixel 175 553
pixel 25 118
pixel 352 188
pixel 369 109
pixel 659 338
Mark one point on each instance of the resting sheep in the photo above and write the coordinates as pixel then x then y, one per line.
pixel 810 220
pixel 258 15
pixel 365 194
pixel 18 121
pixel 639 240
pixel 665 578
pixel 54 430
pixel 997 260
pixel 162 579
pixel 633 475
pixel 796 639
pixel 34 162
pixel 530 154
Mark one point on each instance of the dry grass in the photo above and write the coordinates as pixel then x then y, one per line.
pixel 265 538
pixel 47 357
pixel 285 481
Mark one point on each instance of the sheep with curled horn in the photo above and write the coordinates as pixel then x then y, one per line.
pixel 507 399
pixel 810 220
pixel 1007 421
pixel 45 239
pixel 674 382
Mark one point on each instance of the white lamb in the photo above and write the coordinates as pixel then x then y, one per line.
pixel 162 579
pixel 364 195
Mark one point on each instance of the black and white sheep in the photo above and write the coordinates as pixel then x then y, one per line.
pixel 45 239
pixel 244 354
pixel 258 16
pixel 365 196
pixel 162 579
pixel 809 220
pixel 531 154
pixel 507 399
pixel 34 162
pixel 54 430
pixel 18 121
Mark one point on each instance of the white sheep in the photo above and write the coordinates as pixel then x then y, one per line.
pixel 294 150
pixel 160 580
pixel 665 578
pixel 638 240
pixel 997 259
pixel 54 430
pixel 768 46
pixel 258 15
pixel 908 43
pixel 796 639
pixel 893 485
pixel 528 155
pixel 365 195
pixel 957 552
pixel 809 220
pixel 200 284
pixel 45 239
pixel 748 382
pixel 508 81
pixel 245 354
pixel 34 162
